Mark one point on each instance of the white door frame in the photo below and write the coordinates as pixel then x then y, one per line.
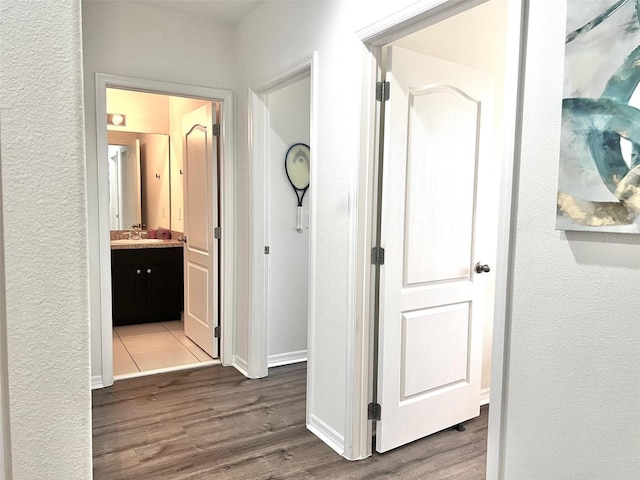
pixel 227 207
pixel 409 20
pixel 256 363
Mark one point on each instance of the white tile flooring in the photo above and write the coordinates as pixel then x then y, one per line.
pixel 153 346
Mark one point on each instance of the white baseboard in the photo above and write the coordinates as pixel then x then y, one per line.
pixel 241 365
pixel 484 396
pixel 327 434
pixel 286 358
pixel 96 382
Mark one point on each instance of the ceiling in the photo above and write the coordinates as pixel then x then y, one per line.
pixel 227 11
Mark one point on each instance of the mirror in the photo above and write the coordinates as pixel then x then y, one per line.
pixel 139 187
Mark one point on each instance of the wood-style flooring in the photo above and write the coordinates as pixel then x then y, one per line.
pixel 213 423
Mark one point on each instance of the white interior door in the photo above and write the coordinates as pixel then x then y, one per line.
pixel 438 129
pixel 200 167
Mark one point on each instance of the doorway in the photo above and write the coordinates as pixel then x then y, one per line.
pixel 161 165
pixel 288 243
pixel 453 30
pixel 281 115
pixel 176 100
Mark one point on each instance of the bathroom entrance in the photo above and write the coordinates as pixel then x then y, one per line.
pixel 161 243
pixel 155 162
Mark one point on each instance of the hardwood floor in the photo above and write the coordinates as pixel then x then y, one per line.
pixel 213 423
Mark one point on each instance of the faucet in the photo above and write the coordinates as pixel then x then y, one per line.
pixel 137 232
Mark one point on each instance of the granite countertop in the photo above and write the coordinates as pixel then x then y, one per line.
pixel 144 243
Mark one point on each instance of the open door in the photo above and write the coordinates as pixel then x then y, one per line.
pixel 200 168
pixel 433 284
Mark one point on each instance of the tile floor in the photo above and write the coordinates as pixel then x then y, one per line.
pixel 153 346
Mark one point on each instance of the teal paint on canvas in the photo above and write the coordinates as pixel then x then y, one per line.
pixel 599 171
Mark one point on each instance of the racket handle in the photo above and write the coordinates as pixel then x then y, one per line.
pixel 299 226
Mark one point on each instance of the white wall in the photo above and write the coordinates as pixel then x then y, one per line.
pixel 145 112
pixel 124 38
pixel 574 377
pixel 475 38
pixel 289 115
pixel 303 27
pixel 155 181
pixel 45 240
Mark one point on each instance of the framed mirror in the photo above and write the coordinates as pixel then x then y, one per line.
pixel 139 180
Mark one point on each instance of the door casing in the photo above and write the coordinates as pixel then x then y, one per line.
pixel 361 372
pixel 227 208
pixel 256 363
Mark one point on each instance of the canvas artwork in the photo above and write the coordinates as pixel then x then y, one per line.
pixel 599 173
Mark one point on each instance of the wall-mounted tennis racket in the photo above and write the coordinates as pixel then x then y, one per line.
pixel 296 164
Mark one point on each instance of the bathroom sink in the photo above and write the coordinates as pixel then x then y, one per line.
pixel 126 241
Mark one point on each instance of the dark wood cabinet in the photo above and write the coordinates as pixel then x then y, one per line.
pixel 147 285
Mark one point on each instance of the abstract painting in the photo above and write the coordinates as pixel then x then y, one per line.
pixel 599 172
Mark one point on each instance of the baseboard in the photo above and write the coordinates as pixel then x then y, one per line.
pixel 96 382
pixel 241 365
pixel 327 434
pixel 484 396
pixel 286 358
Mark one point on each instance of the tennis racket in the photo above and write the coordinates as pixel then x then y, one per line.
pixel 296 164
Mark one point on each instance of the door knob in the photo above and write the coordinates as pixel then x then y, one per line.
pixel 480 268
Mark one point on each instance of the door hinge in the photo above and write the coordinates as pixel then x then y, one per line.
pixel 217 233
pixel 216 130
pixel 216 332
pixel 382 91
pixel 374 411
pixel 266 250
pixel 377 256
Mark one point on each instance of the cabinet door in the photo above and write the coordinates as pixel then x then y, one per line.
pixel 164 283
pixel 147 285
pixel 128 293
pixel 163 287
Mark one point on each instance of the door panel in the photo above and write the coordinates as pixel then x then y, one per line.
pixel 437 138
pixel 201 216
pixel 426 371
pixel 198 216
pixel 442 141
pixel 198 304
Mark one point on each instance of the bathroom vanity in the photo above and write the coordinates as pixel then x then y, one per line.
pixel 146 281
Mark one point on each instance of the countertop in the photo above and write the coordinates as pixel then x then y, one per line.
pixel 144 243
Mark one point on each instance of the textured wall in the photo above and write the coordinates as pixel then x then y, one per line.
pixel 45 239
pixel 574 380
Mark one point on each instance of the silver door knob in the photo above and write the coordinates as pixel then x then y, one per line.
pixel 138 272
pixel 148 270
pixel 480 268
